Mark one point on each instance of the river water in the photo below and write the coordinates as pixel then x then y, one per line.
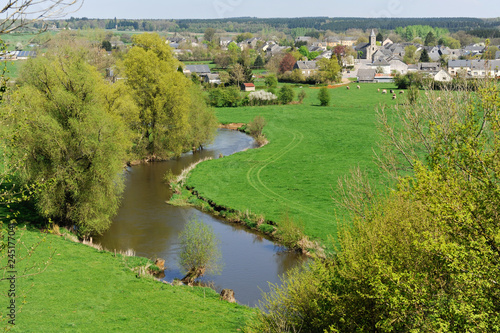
pixel 148 225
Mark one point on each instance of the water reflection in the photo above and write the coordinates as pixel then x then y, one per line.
pixel 151 227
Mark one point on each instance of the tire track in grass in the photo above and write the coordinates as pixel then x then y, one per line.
pixel 254 179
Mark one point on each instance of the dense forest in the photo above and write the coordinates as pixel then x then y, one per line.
pixel 251 24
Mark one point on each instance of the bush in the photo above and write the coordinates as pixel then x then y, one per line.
pixel 199 250
pixel 271 81
pixel 286 94
pixel 290 232
pixel 266 228
pixel 256 126
pixel 302 95
pixel 324 96
pixel 224 97
pixel 261 97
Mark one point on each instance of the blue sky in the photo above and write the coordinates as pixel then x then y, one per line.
pixel 161 9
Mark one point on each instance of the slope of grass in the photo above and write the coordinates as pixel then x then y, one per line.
pixel 310 148
pixel 86 290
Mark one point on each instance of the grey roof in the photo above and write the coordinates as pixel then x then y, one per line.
pixel 366 74
pixel 305 65
pixel 380 62
pixel 373 34
pixel 459 63
pixel 429 66
pixel 203 69
pixel 31 54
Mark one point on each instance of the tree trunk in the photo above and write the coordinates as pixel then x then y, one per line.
pixel 193 274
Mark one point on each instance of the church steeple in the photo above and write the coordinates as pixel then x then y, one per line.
pixel 373 38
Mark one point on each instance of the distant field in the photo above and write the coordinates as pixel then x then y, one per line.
pixel 13 68
pixel 310 148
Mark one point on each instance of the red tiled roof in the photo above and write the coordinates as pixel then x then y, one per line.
pixel 249 84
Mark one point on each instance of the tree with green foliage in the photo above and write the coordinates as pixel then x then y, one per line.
pixel 164 97
pixel 302 94
pixel 58 126
pixel 243 36
pixel 106 45
pixel 271 81
pixel 286 94
pixel 410 54
pixel 324 96
pixel 330 69
pixel 430 39
pixel 380 37
pixel 425 256
pixel 304 51
pixel 259 62
pixel 209 34
pixel 424 56
pixel 199 252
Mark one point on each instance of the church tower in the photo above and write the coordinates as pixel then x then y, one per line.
pixel 372 48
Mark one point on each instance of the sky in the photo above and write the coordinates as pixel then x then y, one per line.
pixel 213 9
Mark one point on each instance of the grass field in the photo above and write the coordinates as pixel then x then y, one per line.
pixel 310 148
pixel 86 290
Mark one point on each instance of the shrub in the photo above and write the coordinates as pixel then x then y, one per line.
pixel 324 96
pixel 256 126
pixel 290 232
pixel 199 250
pixel 271 81
pixel 302 95
pixel 262 97
pixel 286 94
pixel 224 97
pixel 266 228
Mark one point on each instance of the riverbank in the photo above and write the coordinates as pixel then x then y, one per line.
pixel 296 174
pixel 78 287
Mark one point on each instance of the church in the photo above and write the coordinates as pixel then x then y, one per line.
pixel 367 50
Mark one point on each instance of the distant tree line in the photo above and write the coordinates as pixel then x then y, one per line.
pixel 309 25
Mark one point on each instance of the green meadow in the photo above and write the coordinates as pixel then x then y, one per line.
pixel 310 148
pixel 85 290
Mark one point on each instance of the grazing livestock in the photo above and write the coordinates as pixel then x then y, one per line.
pixel 378 89
pixel 358 87
pixel 391 91
pixel 348 87
pixel 401 91
pixel 394 96
pixel 384 91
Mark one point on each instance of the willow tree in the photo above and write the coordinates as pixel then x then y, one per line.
pixel 58 129
pixel 165 98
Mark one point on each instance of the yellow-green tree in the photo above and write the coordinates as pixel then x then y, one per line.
pixel 164 97
pixel 58 130
pixel 329 69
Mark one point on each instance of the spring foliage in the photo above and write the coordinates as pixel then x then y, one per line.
pixel 58 127
pixel 170 110
pixel 426 257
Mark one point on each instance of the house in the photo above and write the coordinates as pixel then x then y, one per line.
pixel 429 66
pixel 386 42
pixel 200 70
pixel 304 39
pixel 23 55
pixel 475 68
pixel 225 41
pixel 212 79
pixel 366 75
pixel 442 76
pixel 248 87
pixel 306 67
pixel 397 65
pixel 457 66
pixel 326 54
pixel 382 66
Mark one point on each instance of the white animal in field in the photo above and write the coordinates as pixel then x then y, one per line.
pixel 394 96
pixel 358 87
pixel 401 91
pixel 384 91
pixel 348 87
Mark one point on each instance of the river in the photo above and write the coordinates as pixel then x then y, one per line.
pixel 149 226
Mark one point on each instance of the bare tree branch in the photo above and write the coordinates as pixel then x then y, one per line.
pixel 20 13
